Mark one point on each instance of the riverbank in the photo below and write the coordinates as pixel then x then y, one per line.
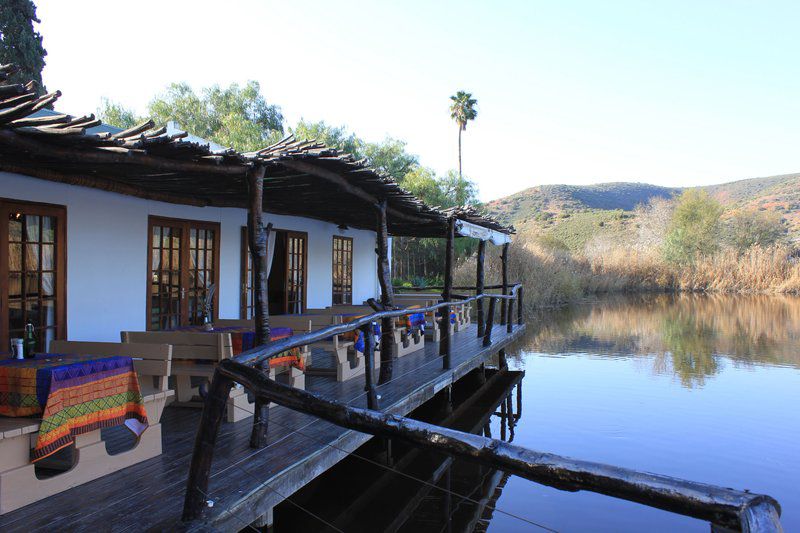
pixel 556 277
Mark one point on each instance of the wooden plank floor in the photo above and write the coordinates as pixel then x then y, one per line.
pixel 246 482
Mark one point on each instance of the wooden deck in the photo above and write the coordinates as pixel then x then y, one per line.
pixel 245 483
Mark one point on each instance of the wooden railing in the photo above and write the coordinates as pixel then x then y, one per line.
pixel 729 508
pixel 256 358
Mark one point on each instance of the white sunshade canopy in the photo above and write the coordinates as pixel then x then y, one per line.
pixel 468 229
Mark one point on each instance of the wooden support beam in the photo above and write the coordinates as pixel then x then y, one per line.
pixel 388 347
pixel 369 361
pixel 520 304
pixel 257 238
pixel 101 183
pixel 510 318
pixel 730 508
pixel 109 157
pixel 503 304
pixel 479 279
pixel 203 454
pixel 446 343
pixel 487 337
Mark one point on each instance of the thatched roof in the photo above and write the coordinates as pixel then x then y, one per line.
pixel 303 178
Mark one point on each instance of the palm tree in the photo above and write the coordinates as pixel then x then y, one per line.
pixel 462 110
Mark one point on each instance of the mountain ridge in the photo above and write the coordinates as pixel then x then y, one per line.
pixel 539 203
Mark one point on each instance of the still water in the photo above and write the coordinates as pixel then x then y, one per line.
pixel 701 387
pixel 705 388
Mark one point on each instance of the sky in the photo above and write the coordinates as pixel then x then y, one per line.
pixel 672 93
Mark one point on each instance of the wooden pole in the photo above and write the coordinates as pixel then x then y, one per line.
pixel 257 238
pixel 369 360
pixel 479 279
pixel 726 507
pixel 487 337
pixel 510 319
pixel 520 292
pixel 503 304
pixel 203 454
pixel 446 344
pixel 388 346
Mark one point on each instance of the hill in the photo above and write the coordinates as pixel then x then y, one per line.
pixel 552 200
pixel 575 213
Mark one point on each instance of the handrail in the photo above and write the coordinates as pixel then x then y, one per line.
pixel 456 288
pixel 722 506
pixel 261 353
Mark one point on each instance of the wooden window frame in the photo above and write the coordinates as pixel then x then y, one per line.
pixel 333 271
pixel 41 209
pixel 302 235
pixel 186 225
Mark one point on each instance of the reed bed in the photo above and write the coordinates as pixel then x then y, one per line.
pixel 555 277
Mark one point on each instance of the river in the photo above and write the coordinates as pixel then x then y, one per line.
pixel 701 387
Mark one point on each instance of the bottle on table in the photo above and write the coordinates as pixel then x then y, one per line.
pixel 30 340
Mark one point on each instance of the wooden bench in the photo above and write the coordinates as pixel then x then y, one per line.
pixel 19 485
pixel 195 355
pixel 406 341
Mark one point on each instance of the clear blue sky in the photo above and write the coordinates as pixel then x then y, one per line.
pixel 673 93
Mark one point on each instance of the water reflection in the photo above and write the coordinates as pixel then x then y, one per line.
pixel 690 336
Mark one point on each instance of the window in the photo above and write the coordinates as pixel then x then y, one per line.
pixel 183 263
pixel 32 280
pixel 342 270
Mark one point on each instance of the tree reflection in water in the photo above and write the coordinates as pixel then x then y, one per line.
pixel 691 336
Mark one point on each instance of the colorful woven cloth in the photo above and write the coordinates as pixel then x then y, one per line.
pixel 243 338
pixel 74 394
pixel 356 336
pixel 414 320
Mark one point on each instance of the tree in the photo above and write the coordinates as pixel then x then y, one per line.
pixel 694 228
pixel 744 229
pixel 19 43
pixel 115 114
pixel 235 116
pixel 335 137
pixel 390 157
pixel 462 110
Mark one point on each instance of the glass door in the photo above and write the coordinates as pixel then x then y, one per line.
pixel 32 279
pixel 296 272
pixel 183 263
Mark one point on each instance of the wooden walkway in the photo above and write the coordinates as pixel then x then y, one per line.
pixel 245 483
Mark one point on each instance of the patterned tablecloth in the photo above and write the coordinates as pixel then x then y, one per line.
pixel 243 338
pixel 74 394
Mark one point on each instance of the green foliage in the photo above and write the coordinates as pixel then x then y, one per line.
pixel 694 228
pixel 19 43
pixel 235 116
pixel 116 114
pixel 745 229
pixel 462 109
pixel 335 137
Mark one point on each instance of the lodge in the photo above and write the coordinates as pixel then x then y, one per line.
pixel 150 273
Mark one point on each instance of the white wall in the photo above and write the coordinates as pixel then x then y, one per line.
pixel 107 254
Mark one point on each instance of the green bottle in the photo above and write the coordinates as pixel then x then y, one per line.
pixel 30 340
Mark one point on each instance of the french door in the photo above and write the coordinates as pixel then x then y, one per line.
pixel 33 277
pixel 296 253
pixel 183 264
pixel 287 277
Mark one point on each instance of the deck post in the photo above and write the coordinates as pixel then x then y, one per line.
pixel 487 337
pixel 257 237
pixel 502 362
pixel 203 454
pixel 510 319
pixel 504 304
pixel 520 291
pixel 446 344
pixel 479 281
pixel 388 348
pixel 369 356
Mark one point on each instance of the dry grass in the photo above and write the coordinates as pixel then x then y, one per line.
pixel 554 277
